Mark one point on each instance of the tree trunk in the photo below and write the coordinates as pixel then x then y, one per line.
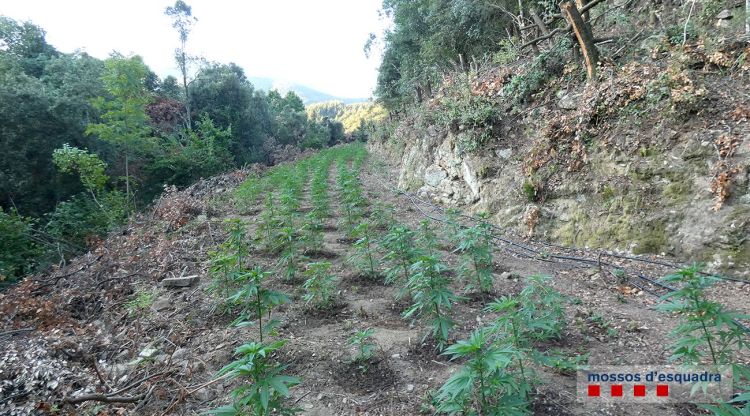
pixel 584 36
pixel 183 68
pixel 418 90
pixel 428 89
pixel 127 176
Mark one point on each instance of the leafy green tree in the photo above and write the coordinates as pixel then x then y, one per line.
pixel 18 250
pixel 229 99
pixel 123 120
pixel 88 166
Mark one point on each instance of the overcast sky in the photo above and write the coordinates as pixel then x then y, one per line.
pixel 313 42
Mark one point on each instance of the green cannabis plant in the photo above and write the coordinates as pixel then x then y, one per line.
pixel 264 388
pixel 364 257
pixel 707 329
pixel 361 341
pixel 228 260
pixel 320 286
pixel 400 253
pixel 429 287
pixel 475 245
pixel 254 300
pixel 485 385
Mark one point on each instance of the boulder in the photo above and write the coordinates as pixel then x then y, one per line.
pixel 180 281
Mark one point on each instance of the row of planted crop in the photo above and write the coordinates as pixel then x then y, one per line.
pixel 501 359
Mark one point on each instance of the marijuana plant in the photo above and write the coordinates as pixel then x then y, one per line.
pixel 365 349
pixel 707 329
pixel 320 286
pixel 431 296
pixel 400 253
pixel 485 385
pixel 229 259
pixel 255 300
pixel 475 244
pixel 364 257
pixel 266 387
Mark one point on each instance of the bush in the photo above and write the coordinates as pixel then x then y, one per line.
pixel 545 66
pixel 82 218
pixel 18 251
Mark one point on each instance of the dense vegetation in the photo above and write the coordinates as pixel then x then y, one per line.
pixel 119 135
pixel 354 117
pixel 431 41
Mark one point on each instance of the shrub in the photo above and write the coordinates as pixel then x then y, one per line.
pixel 18 251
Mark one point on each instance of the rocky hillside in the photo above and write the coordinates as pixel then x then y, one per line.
pixel 652 157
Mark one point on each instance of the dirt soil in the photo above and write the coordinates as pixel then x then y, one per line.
pixel 76 330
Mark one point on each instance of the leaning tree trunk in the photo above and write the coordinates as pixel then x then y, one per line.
pixel 584 36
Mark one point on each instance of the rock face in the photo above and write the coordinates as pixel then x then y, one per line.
pixel 641 202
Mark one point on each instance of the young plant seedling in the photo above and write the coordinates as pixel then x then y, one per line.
pixel 264 388
pixel 475 244
pixel 320 286
pixel 365 349
pixel 255 301
pixel 432 298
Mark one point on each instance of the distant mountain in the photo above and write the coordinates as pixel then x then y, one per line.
pixel 308 95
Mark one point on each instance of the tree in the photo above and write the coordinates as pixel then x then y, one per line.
pixel 182 21
pixel 123 120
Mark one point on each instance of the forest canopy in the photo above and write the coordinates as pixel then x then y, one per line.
pixel 117 119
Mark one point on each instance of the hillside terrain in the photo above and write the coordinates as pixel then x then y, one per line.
pixel 653 158
pixel 536 189
pixel 118 323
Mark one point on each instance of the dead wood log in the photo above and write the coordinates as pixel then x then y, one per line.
pixel 584 36
pixel 566 29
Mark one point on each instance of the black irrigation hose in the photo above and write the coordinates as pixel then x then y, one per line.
pixel 597 262
pixel 414 199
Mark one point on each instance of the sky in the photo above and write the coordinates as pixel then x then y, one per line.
pixel 317 43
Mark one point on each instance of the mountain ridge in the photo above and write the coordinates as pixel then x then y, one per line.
pixel 309 95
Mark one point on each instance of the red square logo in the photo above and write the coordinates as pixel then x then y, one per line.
pixel 639 390
pixel 616 390
pixel 594 390
pixel 662 390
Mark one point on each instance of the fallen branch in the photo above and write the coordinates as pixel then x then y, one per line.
pixel 114 396
pixel 99 397
pixel 16 331
pixel 193 390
